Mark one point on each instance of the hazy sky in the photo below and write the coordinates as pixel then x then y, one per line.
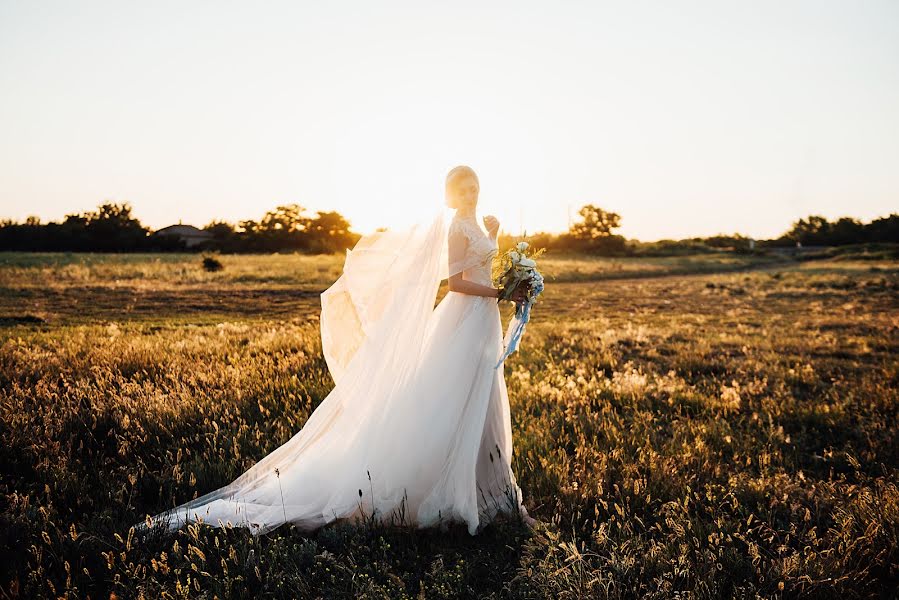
pixel 687 118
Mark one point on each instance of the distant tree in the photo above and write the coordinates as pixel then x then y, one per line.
pixel 75 220
pixel 812 231
pixel 330 232
pixel 846 231
pixel 220 230
pixel 248 226
pixel 112 228
pixel 594 232
pixel 597 223
pixel 282 229
pixel 224 236
pixel 885 229
pixel 286 219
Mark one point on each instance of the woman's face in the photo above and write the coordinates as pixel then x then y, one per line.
pixel 467 192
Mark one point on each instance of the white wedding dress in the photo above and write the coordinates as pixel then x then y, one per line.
pixel 417 427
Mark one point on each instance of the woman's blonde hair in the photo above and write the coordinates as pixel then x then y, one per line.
pixel 455 174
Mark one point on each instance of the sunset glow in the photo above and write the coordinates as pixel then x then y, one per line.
pixel 687 119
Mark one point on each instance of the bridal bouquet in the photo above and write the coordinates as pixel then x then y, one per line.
pixel 517 268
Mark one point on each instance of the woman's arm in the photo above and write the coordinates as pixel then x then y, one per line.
pixel 463 286
pixel 457 245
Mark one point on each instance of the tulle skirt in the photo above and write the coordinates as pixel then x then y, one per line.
pixel 429 445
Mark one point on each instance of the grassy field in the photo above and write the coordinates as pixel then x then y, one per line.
pixel 697 427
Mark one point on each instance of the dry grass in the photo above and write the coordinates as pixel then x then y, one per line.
pixel 706 435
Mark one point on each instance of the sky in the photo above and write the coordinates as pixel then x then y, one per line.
pixel 687 118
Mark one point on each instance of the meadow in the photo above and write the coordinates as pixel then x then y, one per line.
pixel 715 426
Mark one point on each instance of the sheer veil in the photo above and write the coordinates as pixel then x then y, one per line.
pixel 387 272
pixel 376 321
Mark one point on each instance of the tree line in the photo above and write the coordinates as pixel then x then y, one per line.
pixel 595 234
pixel 113 228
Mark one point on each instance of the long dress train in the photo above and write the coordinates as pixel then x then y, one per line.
pixel 417 428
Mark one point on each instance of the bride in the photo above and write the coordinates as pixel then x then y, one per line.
pixel 417 426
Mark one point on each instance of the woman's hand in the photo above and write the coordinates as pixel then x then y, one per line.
pixel 520 294
pixel 492 225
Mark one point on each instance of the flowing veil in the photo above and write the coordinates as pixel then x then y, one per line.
pixel 376 321
pixel 386 272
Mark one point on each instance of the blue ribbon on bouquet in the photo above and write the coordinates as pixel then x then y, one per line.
pixel 515 330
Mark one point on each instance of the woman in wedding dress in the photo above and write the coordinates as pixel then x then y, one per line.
pixel 417 427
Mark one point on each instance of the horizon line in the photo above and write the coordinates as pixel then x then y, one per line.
pixel 509 234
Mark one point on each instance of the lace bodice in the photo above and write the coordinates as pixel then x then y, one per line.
pixel 479 250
